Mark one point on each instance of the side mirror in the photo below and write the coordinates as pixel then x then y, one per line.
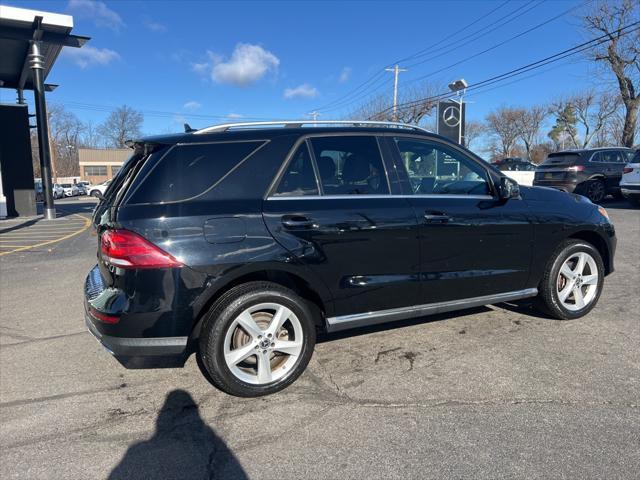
pixel 508 188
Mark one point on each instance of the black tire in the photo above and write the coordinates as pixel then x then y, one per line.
pixel 95 193
pixel 548 300
pixel 595 190
pixel 221 317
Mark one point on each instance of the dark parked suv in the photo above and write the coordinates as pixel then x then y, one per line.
pixel 594 173
pixel 240 242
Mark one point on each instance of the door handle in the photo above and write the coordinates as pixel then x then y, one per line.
pixel 436 217
pixel 297 221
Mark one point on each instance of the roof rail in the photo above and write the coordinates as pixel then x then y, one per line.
pixel 299 123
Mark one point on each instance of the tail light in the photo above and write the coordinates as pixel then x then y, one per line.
pixel 627 170
pixel 103 317
pixel 576 168
pixel 126 249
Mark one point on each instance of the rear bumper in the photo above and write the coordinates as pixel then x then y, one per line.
pixel 630 190
pixel 131 350
pixel 168 352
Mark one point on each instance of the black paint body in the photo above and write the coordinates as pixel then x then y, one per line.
pixel 362 253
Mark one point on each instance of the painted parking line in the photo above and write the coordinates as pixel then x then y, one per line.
pixel 37 239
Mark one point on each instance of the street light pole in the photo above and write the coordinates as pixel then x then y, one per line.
pixel 396 70
pixel 36 62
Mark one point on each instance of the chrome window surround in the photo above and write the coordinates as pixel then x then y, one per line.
pixel 345 322
pixel 361 197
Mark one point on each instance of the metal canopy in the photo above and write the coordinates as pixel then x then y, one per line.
pixel 18 28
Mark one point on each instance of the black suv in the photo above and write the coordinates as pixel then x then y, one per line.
pixel 240 242
pixel 594 173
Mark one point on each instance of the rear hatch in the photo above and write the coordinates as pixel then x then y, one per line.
pixel 557 167
pixel 105 214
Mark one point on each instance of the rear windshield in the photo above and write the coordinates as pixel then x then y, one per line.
pixel 187 171
pixel 561 158
pixel 636 157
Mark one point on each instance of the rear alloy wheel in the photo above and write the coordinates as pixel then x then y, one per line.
pixel 257 339
pixel 573 281
pixel 595 191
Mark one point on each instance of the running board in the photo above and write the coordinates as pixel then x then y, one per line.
pixel 344 322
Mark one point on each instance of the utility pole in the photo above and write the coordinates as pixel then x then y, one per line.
pixel 396 70
pixel 314 115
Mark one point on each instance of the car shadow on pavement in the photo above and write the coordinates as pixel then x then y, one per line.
pixel 183 446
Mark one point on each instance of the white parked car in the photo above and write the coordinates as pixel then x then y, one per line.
pixel 58 191
pixel 630 181
pixel 98 190
pixel 70 190
pixel 83 187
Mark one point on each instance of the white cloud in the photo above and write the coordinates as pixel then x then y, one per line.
pixel 154 26
pixel 88 56
pixel 192 106
pixel 248 64
pixel 97 11
pixel 344 75
pixel 301 91
pixel 234 116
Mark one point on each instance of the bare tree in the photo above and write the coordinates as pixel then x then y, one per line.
pixel 65 130
pixel 528 123
pixel 590 111
pixel 621 54
pixel 90 137
pixel 502 125
pixel 473 130
pixel 414 105
pixel 123 124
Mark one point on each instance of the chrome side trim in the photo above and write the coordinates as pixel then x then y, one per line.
pixel 345 322
pixel 361 197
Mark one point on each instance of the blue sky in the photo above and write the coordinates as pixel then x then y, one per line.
pixel 206 62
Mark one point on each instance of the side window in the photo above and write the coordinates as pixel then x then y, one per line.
pixel 187 171
pixel 609 156
pixel 299 178
pixel 437 169
pixel 350 165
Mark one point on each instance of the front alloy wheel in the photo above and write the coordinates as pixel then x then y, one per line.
pixel 572 280
pixel 577 283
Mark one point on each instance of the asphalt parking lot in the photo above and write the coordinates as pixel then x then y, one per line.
pixel 493 392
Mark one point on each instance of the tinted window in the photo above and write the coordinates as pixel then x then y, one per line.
pixel 608 156
pixel 187 171
pixel 561 159
pixel 299 178
pixel 437 169
pixel 350 165
pixel 636 158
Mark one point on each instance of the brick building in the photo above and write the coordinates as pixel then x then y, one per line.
pixel 100 164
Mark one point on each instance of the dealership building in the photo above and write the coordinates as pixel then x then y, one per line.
pixel 100 164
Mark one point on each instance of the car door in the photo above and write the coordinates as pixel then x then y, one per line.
pixel 472 244
pixel 332 209
pixel 609 164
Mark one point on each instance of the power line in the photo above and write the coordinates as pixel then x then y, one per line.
pixel 493 47
pixel 380 74
pixel 529 67
pixel 150 113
